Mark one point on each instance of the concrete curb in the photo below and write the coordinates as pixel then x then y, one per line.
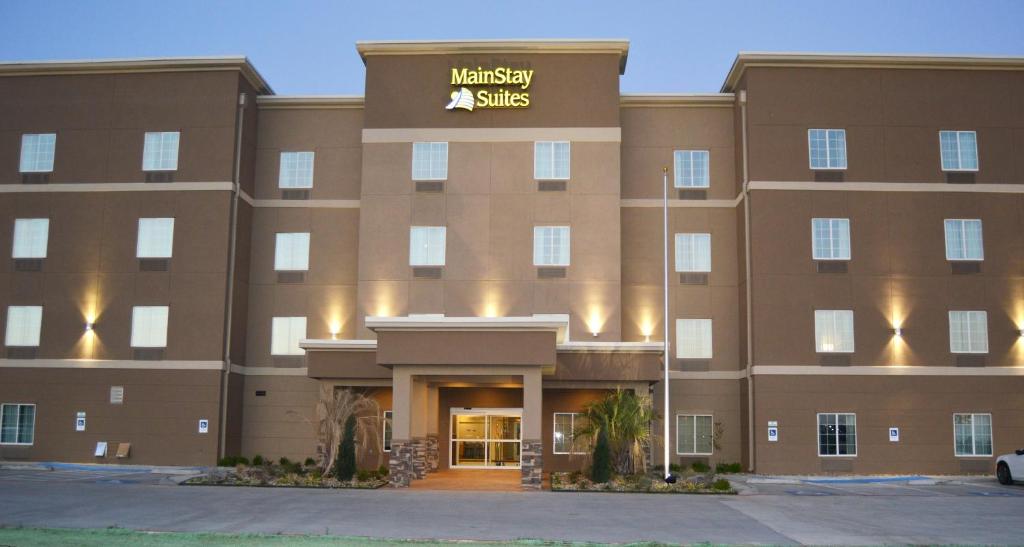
pixel 120 468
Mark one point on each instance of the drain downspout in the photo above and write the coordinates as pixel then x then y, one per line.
pixel 750 312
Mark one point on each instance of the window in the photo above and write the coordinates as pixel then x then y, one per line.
pixel 23 326
pixel 837 434
pixel 551 160
pixel 963 240
pixel 972 434
pixel 429 161
pixel 17 424
pixel 694 435
pixel 691 169
pixel 37 152
pixel 693 252
pixel 693 338
pixel 426 245
pixel 160 152
pixel 296 170
pixel 827 148
pixel 968 332
pixel 149 327
pixel 30 237
pixel 386 434
pixel 959 150
pixel 551 246
pixel 565 440
pixel 833 331
pixel 156 238
pixel 291 252
pixel 285 333
pixel 830 238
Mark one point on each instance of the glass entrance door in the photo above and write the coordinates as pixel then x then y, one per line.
pixel 486 438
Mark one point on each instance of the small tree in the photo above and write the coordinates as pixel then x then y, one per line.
pixel 601 467
pixel 625 417
pixel 332 412
pixel 346 466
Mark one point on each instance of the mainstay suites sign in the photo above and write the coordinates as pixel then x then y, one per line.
pixel 500 87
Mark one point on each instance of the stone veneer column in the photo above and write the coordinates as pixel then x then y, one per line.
pixel 432 455
pixel 532 465
pixel 419 458
pixel 400 463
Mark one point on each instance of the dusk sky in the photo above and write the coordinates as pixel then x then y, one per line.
pixel 307 47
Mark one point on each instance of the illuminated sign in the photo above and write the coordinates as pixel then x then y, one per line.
pixel 502 87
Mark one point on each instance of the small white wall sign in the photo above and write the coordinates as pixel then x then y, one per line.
pixel 894 434
pixel 773 431
pixel 80 421
pixel 204 426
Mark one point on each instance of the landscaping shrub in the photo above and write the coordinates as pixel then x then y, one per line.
pixel 310 462
pixel 289 466
pixel 601 470
pixel 257 460
pixel 383 470
pixel 701 467
pixel 675 468
pixel 228 461
pixel 345 468
pixel 364 475
pixel 728 468
pixel 720 484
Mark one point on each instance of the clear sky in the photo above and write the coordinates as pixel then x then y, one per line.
pixel 307 47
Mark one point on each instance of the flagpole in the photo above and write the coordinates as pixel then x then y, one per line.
pixel 665 417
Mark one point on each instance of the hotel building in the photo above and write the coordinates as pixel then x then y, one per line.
pixel 476 243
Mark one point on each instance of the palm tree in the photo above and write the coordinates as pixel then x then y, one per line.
pixel 625 417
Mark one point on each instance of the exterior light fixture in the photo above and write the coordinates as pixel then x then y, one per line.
pixel 647 338
pixel 897 331
pixel 335 329
pixel 1021 332
pixel 88 326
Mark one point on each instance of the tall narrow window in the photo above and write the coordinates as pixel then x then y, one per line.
pixel 565 440
pixel 160 151
pixel 551 246
pixel 386 434
pixel 833 331
pixel 17 424
pixel 968 332
pixel 830 238
pixel 30 237
pixel 972 434
pixel 426 245
pixel 827 148
pixel 149 327
pixel 37 151
pixel 963 239
pixel 693 339
pixel 691 168
pixel 694 435
pixel 693 252
pixel 429 161
pixel 155 238
pixel 551 160
pixel 296 170
pixel 23 326
pixel 291 252
pixel 837 434
pixel 285 334
pixel 959 150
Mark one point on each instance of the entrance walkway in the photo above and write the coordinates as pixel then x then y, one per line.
pixel 502 480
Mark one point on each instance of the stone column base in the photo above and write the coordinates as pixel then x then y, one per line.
pixel 400 462
pixel 419 458
pixel 532 465
pixel 432 455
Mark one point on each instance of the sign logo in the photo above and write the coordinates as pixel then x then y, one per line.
pixel 501 87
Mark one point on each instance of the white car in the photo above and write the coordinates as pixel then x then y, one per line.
pixel 1010 467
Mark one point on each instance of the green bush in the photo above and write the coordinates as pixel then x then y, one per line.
pixel 720 484
pixel 675 468
pixel 345 467
pixel 310 462
pixel 364 475
pixel 383 470
pixel 257 460
pixel 701 467
pixel 728 468
pixel 601 469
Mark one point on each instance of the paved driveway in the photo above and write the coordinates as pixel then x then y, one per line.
pixel 975 512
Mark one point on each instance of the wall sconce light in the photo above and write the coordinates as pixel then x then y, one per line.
pixel 1021 332
pixel 897 331
pixel 335 329
pixel 88 327
pixel 647 338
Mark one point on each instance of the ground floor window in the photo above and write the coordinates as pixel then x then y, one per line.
pixel 694 434
pixel 972 434
pixel 837 434
pixel 17 424
pixel 386 434
pixel 566 426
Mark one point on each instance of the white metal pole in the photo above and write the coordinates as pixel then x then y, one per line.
pixel 665 318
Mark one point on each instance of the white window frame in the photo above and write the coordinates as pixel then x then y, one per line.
pixel 678 171
pixel 962 228
pixel 152 227
pixel 154 159
pixel 34 314
pixel 32 160
pixel 828 151
pixel 17 426
pixel 820 348
pixel 695 436
pixel 387 423
pixel 549 155
pixel 970 314
pixel 291 169
pixel 25 228
pixel 432 167
pixel 974 437
pixel 291 251
pixel 959 152
pixel 541 236
pixel 432 236
pixel 136 330
pixel 705 325
pixel 290 350
pixel 817 434
pixel 834 250
pixel 572 430
pixel 682 256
